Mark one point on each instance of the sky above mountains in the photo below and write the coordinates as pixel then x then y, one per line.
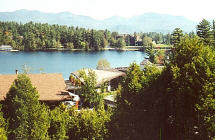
pixel 101 9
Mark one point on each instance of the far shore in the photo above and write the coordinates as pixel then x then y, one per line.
pixel 126 48
pixel 104 49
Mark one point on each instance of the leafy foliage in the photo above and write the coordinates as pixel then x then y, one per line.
pixel 189 73
pixel 177 103
pixel 133 105
pixel 28 119
pixel 59 123
pixel 91 98
pixel 120 43
pixel 155 56
pixel 103 64
pixel 147 41
pixel 3 132
pixel 89 125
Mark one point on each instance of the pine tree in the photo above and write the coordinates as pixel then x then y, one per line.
pixel 204 32
pixel 176 36
pixel 28 119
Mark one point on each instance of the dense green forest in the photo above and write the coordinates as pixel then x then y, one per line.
pixel 173 103
pixel 33 36
pixel 38 36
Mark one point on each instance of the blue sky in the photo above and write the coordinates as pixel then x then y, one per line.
pixel 101 9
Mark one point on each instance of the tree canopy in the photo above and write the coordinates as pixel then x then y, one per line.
pixel 176 36
pixel 28 119
pixel 103 64
pixel 175 103
pixel 204 31
pixel 91 98
pixel 3 125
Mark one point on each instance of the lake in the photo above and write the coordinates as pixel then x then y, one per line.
pixel 65 62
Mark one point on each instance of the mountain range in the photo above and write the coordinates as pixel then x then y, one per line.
pixel 148 22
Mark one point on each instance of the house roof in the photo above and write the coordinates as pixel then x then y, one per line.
pixel 101 75
pixel 49 86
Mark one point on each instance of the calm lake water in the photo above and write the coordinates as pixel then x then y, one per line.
pixel 65 62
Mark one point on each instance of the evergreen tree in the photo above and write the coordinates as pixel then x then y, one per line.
pixel 176 36
pixel 204 32
pixel 28 119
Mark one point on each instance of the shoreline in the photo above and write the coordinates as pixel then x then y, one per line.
pixel 49 50
pixel 126 48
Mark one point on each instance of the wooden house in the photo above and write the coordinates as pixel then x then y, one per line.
pixel 51 87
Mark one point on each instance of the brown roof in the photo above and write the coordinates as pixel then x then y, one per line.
pixel 101 75
pixel 49 86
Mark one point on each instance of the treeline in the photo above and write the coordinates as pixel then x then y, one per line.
pixel 140 39
pixel 158 38
pixel 205 30
pixel 38 36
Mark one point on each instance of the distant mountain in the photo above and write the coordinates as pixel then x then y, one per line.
pixel 148 22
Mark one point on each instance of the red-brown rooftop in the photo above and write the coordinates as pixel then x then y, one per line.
pixel 49 86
